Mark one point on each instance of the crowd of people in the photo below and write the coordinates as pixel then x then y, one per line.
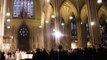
pixel 72 54
pixel 61 54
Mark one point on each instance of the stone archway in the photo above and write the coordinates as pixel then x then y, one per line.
pixel 23 36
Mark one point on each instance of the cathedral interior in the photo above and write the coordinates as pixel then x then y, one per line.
pixel 31 24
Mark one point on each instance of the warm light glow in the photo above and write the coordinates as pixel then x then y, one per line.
pixel 70 17
pixel 46 21
pixel 53 16
pixel 88 44
pixel 8 14
pixel 48 1
pixel 40 26
pixel 81 22
pixel 92 23
pixel 57 34
pixel 99 1
pixel 8 20
pixel 73 45
pixel 11 37
pixel 62 24
pixel 54 30
pixel 8 27
pixel 106 20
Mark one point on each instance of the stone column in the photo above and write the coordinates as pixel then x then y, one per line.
pixel 2 18
pixel 84 35
pixel 40 37
pixel 68 37
pixel 79 33
pixel 48 36
pixel 14 43
pixel 45 39
pixel 36 38
pixel 95 37
pixel 52 37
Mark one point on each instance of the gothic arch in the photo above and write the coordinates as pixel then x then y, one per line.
pixel 48 11
pixel 84 13
pixel 67 9
pixel 102 12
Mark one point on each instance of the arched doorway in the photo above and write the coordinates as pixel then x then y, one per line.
pixel 23 37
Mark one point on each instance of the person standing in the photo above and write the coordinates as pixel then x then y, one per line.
pixel 18 55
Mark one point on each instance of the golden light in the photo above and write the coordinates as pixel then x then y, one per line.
pixel 40 26
pixel 81 22
pixel 8 27
pixel 73 45
pixel 48 1
pixel 7 14
pixel 99 1
pixel 53 16
pixel 62 24
pixel 89 44
pixel 46 21
pixel 92 23
pixel 8 20
pixel 106 20
pixel 70 17
pixel 57 34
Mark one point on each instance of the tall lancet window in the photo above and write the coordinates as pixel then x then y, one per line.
pixel 25 7
pixel 73 27
pixel 87 29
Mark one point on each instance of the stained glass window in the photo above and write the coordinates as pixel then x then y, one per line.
pixel 23 32
pixel 23 6
pixel 87 29
pixel 23 36
pixel 73 28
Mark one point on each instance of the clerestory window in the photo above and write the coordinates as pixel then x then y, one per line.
pixel 23 8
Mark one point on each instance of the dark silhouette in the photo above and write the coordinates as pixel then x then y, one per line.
pixel 72 54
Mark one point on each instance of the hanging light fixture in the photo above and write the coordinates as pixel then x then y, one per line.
pixel 70 17
pixel 8 13
pixel 62 24
pixel 48 1
pixel 46 21
pixel 92 23
pixel 40 26
pixel 8 27
pixel 53 16
pixel 8 20
pixel 99 1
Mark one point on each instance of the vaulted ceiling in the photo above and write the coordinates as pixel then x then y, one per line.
pixel 74 8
